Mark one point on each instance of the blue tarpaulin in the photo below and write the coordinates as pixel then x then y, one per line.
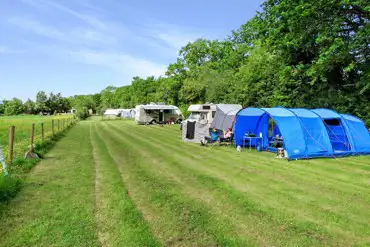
pixel 305 133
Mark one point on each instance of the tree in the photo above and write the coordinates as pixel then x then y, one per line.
pixel 64 105
pixel 192 91
pixel 2 106
pixel 122 97
pixel 168 90
pixel 107 97
pixel 144 90
pixel 13 107
pixel 83 113
pixel 83 103
pixel 56 103
pixel 41 102
pixel 29 107
pixel 97 102
pixel 326 45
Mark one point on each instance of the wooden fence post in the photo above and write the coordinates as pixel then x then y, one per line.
pixel 11 144
pixel 42 132
pixel 52 127
pixel 32 137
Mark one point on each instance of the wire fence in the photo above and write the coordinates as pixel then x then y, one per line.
pixel 17 139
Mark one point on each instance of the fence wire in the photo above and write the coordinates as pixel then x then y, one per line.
pixel 22 134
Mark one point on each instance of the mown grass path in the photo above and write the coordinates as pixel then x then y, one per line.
pixel 113 183
pixel 56 206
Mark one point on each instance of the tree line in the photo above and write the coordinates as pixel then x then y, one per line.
pixel 44 104
pixel 293 53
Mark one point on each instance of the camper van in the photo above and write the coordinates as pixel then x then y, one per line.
pixel 205 112
pixel 157 113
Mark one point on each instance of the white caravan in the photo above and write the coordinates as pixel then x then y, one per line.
pixel 157 113
pixel 205 112
pixel 128 113
pixel 113 112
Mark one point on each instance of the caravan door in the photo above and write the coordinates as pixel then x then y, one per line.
pixel 161 116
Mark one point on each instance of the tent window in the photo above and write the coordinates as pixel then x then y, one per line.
pixel 332 122
pixel 271 127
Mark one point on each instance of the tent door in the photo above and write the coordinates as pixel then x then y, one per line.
pixel 161 116
pixel 190 130
pixel 337 135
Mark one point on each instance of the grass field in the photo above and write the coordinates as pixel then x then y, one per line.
pixel 113 183
pixel 23 129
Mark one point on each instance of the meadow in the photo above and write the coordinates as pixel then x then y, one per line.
pixel 114 183
pixel 23 124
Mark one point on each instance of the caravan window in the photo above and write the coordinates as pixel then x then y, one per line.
pixel 148 111
pixel 213 114
pixel 195 115
pixel 167 111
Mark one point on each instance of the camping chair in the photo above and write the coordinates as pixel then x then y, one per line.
pixel 227 141
pixel 214 137
pixel 276 142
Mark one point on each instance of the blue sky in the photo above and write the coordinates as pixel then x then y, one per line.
pixel 82 46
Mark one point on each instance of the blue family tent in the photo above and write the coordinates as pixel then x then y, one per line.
pixel 303 133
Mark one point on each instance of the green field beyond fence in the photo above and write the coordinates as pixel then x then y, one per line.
pixel 23 127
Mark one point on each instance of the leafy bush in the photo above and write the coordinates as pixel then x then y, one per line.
pixel 367 123
pixel 9 187
pixel 82 113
